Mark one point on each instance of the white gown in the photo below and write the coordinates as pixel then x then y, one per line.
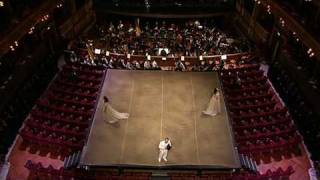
pixel 213 107
pixel 111 115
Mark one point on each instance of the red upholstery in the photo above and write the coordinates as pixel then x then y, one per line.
pixel 61 117
pixel 263 128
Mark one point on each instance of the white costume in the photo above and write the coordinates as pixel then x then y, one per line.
pixel 213 107
pixel 163 151
pixel 111 115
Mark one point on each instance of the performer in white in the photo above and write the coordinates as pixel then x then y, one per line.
pixel 213 107
pixel 164 147
pixel 110 114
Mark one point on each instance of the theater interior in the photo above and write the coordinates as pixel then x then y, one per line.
pixel 160 61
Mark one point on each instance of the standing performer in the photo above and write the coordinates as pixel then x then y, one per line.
pixel 164 147
pixel 110 114
pixel 213 107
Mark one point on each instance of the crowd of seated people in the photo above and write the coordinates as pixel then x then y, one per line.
pixel 142 63
pixel 168 39
pixel 263 127
pixel 121 63
pixel 59 121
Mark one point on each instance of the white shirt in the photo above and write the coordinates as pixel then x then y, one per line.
pixel 154 64
pixel 163 145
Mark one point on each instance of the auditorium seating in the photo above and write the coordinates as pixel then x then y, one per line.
pixel 38 171
pixel 263 127
pixel 243 175
pixel 59 122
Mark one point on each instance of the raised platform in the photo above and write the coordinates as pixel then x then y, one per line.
pixel 161 104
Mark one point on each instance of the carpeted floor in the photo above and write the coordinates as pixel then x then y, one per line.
pixel 161 104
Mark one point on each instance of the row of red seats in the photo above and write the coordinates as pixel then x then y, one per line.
pixel 260 123
pixel 273 128
pixel 268 134
pixel 240 106
pixel 57 127
pixel 70 67
pixel 269 144
pixel 74 91
pixel 250 96
pixel 85 86
pixel 39 172
pixel 74 70
pixel 65 104
pixel 83 71
pixel 250 102
pixel 264 97
pixel 72 97
pixel 87 67
pixel 251 111
pixel 48 107
pixel 281 112
pixel 242 68
pixel 43 139
pixel 254 77
pixel 247 89
pixel 251 92
pixel 255 106
pixel 59 122
pixel 92 78
pixel 254 73
pixel 261 80
pixel 64 99
pixel 75 120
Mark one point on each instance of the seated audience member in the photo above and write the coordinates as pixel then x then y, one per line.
pixel 136 65
pixel 179 66
pixel 147 65
pixel 155 65
pixel 129 66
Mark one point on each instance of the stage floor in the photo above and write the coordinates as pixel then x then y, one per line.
pixel 161 104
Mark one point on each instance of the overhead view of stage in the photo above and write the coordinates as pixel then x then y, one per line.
pixel 161 104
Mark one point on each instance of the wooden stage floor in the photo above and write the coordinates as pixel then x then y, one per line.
pixel 161 104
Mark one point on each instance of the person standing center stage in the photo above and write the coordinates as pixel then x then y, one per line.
pixel 164 147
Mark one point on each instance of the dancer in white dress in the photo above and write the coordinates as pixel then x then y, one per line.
pixel 110 114
pixel 213 107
